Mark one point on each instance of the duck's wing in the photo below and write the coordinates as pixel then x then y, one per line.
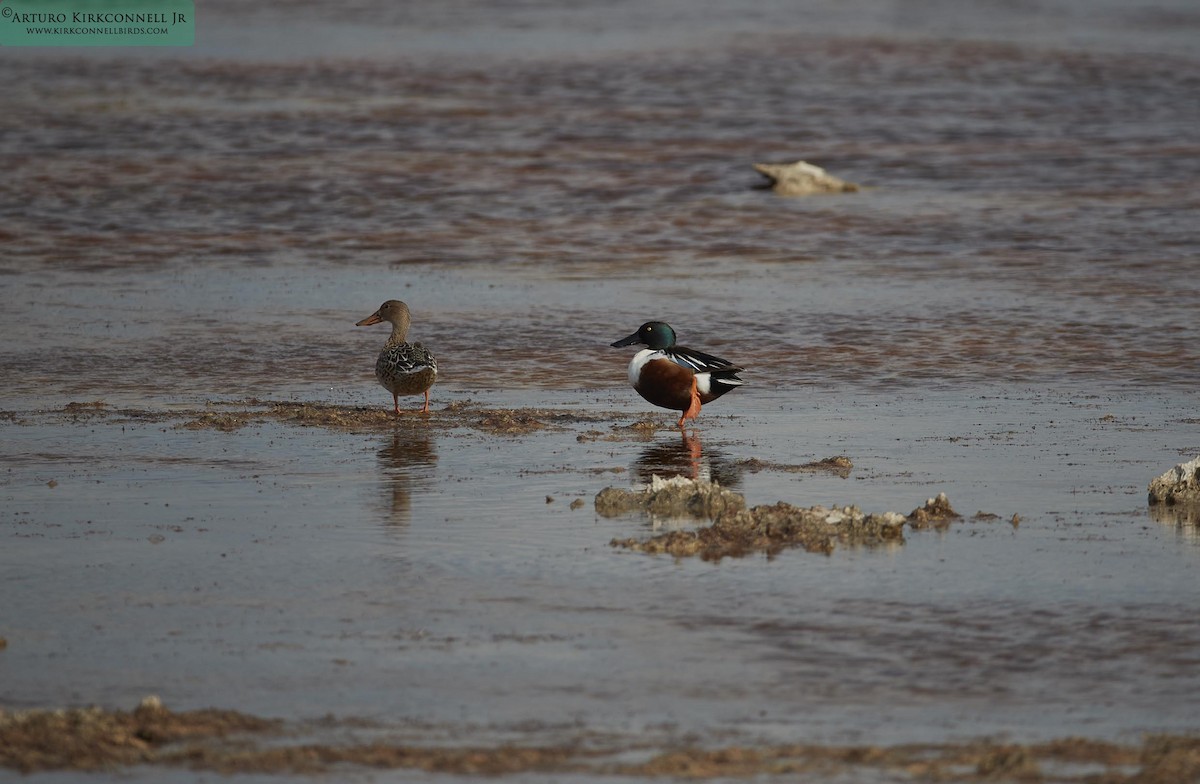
pixel 700 362
pixel 401 358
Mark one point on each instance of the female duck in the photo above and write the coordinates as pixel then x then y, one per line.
pixel 402 368
pixel 676 377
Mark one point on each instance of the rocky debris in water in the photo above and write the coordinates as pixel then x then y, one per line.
pixel 802 179
pixel 1175 496
pixel 1180 485
pixel 840 465
pixel 936 513
pixel 771 529
pixel 670 498
pixel 737 531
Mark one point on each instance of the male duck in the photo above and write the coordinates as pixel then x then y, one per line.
pixel 675 377
pixel 402 368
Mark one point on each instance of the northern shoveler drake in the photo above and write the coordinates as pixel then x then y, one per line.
pixel 675 377
pixel 402 368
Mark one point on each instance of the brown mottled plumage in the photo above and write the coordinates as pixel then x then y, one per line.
pixel 402 368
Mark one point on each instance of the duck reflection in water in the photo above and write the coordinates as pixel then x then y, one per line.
pixel 404 461
pixel 686 457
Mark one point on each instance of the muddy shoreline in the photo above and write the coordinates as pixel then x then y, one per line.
pixel 228 742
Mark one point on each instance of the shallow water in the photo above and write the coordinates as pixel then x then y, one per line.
pixel 1005 313
pixel 423 579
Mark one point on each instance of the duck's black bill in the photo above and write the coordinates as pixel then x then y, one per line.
pixel 629 341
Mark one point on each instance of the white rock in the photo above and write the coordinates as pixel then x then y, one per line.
pixel 1179 485
pixel 802 179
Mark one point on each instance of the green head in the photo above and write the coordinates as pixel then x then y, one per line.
pixel 653 334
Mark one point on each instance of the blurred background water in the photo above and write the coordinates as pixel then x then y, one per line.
pixel 538 178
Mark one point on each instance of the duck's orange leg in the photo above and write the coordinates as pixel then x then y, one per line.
pixel 396 403
pixel 425 410
pixel 693 408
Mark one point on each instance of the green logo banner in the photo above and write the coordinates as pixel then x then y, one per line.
pixel 97 22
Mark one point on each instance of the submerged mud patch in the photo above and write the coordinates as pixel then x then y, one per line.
pixel 227 417
pixel 643 429
pixel 229 742
pixel 839 465
pixel 233 416
pixel 503 422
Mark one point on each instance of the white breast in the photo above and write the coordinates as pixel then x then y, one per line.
pixel 640 359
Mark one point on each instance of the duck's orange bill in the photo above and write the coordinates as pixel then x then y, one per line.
pixel 369 320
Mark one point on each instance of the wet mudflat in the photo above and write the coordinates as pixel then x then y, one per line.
pixel 204 496
pixel 432 584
